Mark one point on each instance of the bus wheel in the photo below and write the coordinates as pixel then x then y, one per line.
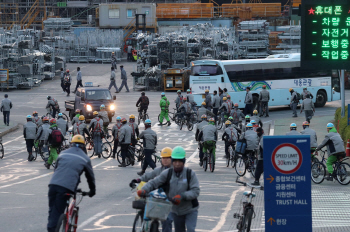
pixel 321 99
pixel 255 103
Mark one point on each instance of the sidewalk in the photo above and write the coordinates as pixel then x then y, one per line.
pixel 4 130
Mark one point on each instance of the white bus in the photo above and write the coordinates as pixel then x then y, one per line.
pixel 277 72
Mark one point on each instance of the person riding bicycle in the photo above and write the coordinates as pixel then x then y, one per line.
pixel 224 109
pixel 255 125
pixel 313 137
pixel 29 132
pixel 186 109
pixel 293 130
pixel 55 141
pixel 251 138
pixel 104 116
pixel 143 103
pixel 43 134
pixel 210 136
pixel 260 165
pixel 125 140
pixel 115 132
pixel 52 104
pixel 203 111
pixel 164 106
pixel 256 118
pixel 200 127
pixel 62 124
pixel 149 145
pixel 229 103
pixel 165 155
pixel 237 115
pixel 76 117
pixel 36 119
pixel 335 148
pixel 179 99
pixel 135 130
pixel 246 122
pixel 80 128
pixel 190 99
pixel 96 130
pixel 239 130
pixel 182 188
pixel 230 137
pixel 65 180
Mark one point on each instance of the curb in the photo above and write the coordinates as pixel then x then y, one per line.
pixel 10 130
pixel 272 128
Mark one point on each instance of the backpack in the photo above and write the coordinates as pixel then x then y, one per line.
pixel 144 101
pixel 241 145
pixel 297 97
pixel 56 136
pixel 56 103
pixel 232 134
pixel 166 186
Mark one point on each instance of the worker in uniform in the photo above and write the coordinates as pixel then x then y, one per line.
pixel 115 132
pixel 125 140
pixel 264 98
pixel 248 101
pixel 293 102
pixel 112 79
pixel 124 79
pixel 29 131
pixel 293 130
pixel 216 104
pixel 309 108
pixel 208 99
pixel 164 106
pixel 96 130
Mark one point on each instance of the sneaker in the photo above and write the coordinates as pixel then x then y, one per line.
pixel 294 116
pixel 113 156
pixel 140 173
pixel 99 155
pixel 256 183
pixel 160 124
pixel 122 165
pixel 47 165
pixel 169 123
pixel 329 177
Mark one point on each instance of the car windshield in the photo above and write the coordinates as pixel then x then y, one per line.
pixel 98 95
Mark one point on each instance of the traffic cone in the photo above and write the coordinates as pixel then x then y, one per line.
pixel 348 148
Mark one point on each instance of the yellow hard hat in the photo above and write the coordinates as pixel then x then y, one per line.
pixel 204 104
pixel 290 90
pixel 132 116
pixel 81 118
pixel 227 122
pixel 78 139
pixel 166 152
pixel 207 90
pixel 255 112
pixel 95 113
pixel 224 98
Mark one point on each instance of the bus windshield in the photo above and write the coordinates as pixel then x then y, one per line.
pixel 206 70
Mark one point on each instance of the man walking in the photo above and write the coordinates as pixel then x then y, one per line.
pixel 306 92
pixel 264 98
pixel 294 102
pixel 67 82
pixel 248 101
pixel 6 106
pixel 207 99
pixel 124 79
pixel 79 80
pixel 112 83
pixel 62 80
pixel 309 108
pixel 216 104
pixel 129 53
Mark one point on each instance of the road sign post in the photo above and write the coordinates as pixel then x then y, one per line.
pixel 348 114
pixel 287 162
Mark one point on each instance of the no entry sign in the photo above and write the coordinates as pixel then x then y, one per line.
pixel 287 183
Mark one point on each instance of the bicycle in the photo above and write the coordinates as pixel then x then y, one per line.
pixel 1 149
pixel 220 122
pixel 68 221
pixel 246 163
pixel 106 148
pixel 130 158
pixel 151 210
pixel 231 159
pixel 209 159
pixel 340 170
pixel 156 158
pixel 189 120
pixel 245 218
pixel 143 116
pixel 49 114
pixel 174 116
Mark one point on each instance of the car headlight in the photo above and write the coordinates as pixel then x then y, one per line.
pixel 88 108
pixel 112 107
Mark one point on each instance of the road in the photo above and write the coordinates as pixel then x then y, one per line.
pixel 24 185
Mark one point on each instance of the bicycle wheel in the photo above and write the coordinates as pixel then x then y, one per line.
pixel 181 123
pixel 136 227
pixel 190 126
pixel 90 147
pixel 228 159
pixel 139 119
pixel 318 172
pixel 106 150
pixel 219 121
pixel 2 152
pixel 253 163
pixel 205 162
pixel 138 152
pixel 154 226
pixel 73 222
pixel 212 162
pixel 61 225
pixel 247 220
pixel 342 173
pixel 240 166
pixel 65 117
pixel 109 138
pixel 120 159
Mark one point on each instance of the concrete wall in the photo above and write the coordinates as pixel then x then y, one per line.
pixel 141 8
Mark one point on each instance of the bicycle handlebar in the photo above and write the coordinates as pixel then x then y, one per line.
pixel 82 192
pixel 247 184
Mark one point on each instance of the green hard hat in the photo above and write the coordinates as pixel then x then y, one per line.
pixel 247 116
pixel 178 153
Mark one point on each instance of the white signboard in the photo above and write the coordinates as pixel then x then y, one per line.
pixel 4 73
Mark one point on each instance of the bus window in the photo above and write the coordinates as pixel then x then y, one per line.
pixel 335 81
pixel 206 70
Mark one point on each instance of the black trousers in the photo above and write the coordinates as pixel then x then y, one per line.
pixel 248 109
pixel 227 145
pixel 62 86
pixel 79 83
pixel 148 161
pixel 30 144
pixel 201 154
pixel 67 88
pixel 6 117
pixel 259 169
pixel 57 204
pixel 215 112
pixel 124 150
pixel 116 142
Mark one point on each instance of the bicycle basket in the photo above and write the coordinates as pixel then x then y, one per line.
pixel 157 208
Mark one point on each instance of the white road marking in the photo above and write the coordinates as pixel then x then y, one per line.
pixel 14 154
pixel 227 209
pixel 91 219
pixel 192 156
pixel 20 137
